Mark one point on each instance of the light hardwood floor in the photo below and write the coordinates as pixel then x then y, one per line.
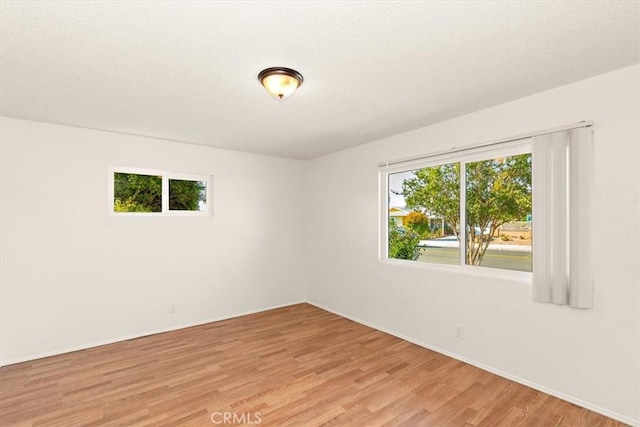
pixel 294 366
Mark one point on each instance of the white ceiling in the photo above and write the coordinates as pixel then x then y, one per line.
pixel 186 70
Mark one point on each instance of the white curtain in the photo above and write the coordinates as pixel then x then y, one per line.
pixel 562 211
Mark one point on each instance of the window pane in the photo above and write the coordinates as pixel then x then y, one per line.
pixel 187 195
pixel 424 214
pixel 498 213
pixel 137 193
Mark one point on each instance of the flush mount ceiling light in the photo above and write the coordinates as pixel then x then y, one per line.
pixel 280 82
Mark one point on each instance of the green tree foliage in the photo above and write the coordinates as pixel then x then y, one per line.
pixel 403 244
pixel 137 193
pixel 436 190
pixel 418 223
pixel 186 195
pixel 143 193
pixel 497 191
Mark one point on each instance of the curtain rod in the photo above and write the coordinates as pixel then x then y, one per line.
pixel 581 124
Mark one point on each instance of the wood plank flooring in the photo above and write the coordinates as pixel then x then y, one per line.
pixel 294 366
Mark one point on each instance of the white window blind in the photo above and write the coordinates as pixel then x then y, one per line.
pixel 562 211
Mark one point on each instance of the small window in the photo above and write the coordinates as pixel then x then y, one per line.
pixel 474 211
pixel 157 193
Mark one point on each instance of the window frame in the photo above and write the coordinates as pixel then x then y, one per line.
pixel 511 148
pixel 165 176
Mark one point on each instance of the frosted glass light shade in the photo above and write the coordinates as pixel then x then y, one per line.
pixel 280 82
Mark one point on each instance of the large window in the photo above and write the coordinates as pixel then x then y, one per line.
pixel 519 208
pixel 468 210
pixel 136 191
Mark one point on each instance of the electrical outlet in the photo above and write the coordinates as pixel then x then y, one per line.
pixel 458 331
pixel 172 308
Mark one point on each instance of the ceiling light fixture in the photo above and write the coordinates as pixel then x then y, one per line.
pixel 280 82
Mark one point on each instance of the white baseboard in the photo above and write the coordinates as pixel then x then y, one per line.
pixel 134 336
pixel 491 369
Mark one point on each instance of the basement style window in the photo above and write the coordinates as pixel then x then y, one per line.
pixel 139 192
pixel 471 209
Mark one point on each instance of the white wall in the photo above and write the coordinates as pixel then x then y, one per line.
pixel 589 356
pixel 72 275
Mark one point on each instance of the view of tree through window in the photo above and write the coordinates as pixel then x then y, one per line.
pixel 425 216
pixel 137 193
pixel 185 195
pixel 430 211
pixel 498 211
pixel 133 192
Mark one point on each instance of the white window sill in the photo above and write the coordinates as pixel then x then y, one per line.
pixel 524 277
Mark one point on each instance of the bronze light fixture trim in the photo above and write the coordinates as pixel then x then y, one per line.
pixel 281 82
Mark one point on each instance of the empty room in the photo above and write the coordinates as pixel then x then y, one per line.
pixel 306 213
